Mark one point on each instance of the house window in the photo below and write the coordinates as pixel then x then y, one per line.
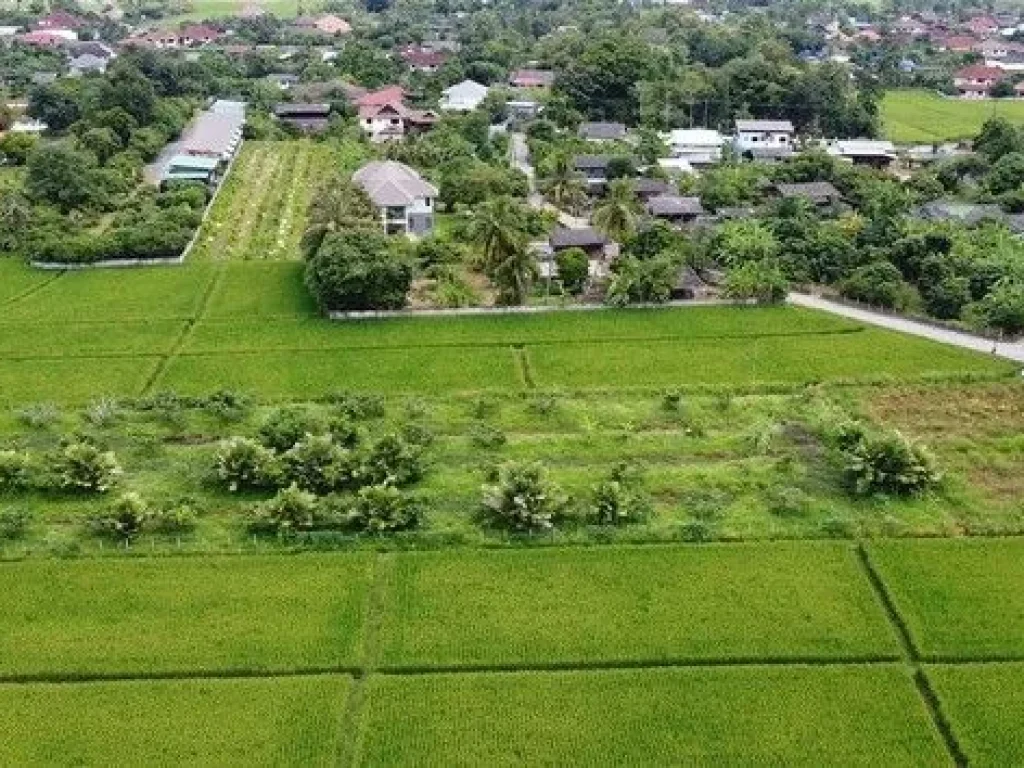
pixel 783 139
pixel 395 212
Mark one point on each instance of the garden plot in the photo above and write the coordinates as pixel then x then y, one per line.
pixel 157 616
pixel 961 598
pixel 806 716
pixel 654 604
pixel 289 721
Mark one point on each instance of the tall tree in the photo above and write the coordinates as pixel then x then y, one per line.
pixel 340 206
pixel 563 186
pixel 616 215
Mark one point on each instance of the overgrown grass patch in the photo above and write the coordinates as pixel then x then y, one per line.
pixel 808 716
pixel 285 721
pixel 985 703
pixel 961 598
pixel 164 615
pixel 632 604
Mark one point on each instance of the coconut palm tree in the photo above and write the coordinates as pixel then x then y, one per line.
pixel 339 206
pixel 563 186
pixel 616 215
pixel 497 228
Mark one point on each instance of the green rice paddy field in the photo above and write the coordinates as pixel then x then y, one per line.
pixel 924 117
pixel 798 653
pixel 251 327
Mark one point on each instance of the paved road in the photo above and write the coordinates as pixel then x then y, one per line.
pixel 1008 350
pixel 520 158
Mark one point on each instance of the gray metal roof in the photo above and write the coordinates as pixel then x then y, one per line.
pixel 602 131
pixel 674 205
pixel 764 125
pixel 388 183
pixel 586 237
pixel 815 191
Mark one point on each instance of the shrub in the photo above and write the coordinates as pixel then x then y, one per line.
pixel 343 431
pixel 178 518
pixel 672 401
pixel 317 464
pixel 359 270
pixel 392 461
pixel 15 471
pixel 358 406
pixel 615 503
pixel 13 523
pixel 227 405
pixel 84 467
pixel 573 269
pixel 168 407
pixel 284 427
pixel 417 433
pixel 292 509
pixel 243 463
pixel 38 415
pixel 102 412
pixel 483 406
pixel 123 519
pixel 385 509
pixel 890 463
pixel 523 498
pixel 543 405
pixel 696 531
pixel 789 502
pixel 487 436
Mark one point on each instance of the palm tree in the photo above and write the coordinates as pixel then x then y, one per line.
pixel 498 228
pixel 338 207
pixel 563 186
pixel 617 214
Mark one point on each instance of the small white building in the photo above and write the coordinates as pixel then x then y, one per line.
pixel 698 146
pixel 404 200
pixel 463 97
pixel 763 134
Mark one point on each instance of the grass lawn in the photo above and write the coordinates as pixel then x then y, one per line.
pixel 288 721
pixel 917 116
pixel 72 380
pixel 986 706
pixel 16 279
pixel 961 598
pixel 808 716
pixel 252 292
pixel 160 615
pixel 632 604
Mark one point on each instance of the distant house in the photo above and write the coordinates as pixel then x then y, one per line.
pixel 93 48
pixel 764 139
pixel 819 193
pixel 959 212
pixel 645 188
pixel 521 110
pixel 975 81
pixel 676 166
pixel 217 132
pixel 698 146
pixel 23 125
pixel 86 63
pixel 675 209
pixel 593 168
pixel 463 97
pixel 393 121
pixel 602 131
pixel 956 43
pixel 197 35
pixel 46 39
pixel 532 78
pixel 61 20
pixel 283 80
pixel 307 118
pixel 423 59
pixel 43 78
pixel 878 154
pixel 587 238
pixel 403 199
pixel 332 25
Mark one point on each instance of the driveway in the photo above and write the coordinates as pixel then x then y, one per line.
pixel 1007 350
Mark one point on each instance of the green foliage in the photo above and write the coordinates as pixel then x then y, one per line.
pixel 14 523
pixel 242 464
pixel 879 284
pixel 392 460
pixel 523 499
pixel 1002 308
pixel 487 436
pixel 291 510
pixel 123 519
pixel 619 500
pixel 573 269
pixel 760 281
pixel 83 467
pixel 358 406
pixel 287 425
pixel 38 415
pixel 358 271
pixel 318 465
pixel 890 463
pixel 385 509
pixel 650 281
pixel 102 412
pixel 15 471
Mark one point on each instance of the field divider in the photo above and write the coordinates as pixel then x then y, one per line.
pixel 352 723
pixel 522 360
pixel 84 678
pixel 33 289
pixel 186 332
pixel 930 699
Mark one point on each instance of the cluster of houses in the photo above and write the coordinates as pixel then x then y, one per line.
pixel 61 31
